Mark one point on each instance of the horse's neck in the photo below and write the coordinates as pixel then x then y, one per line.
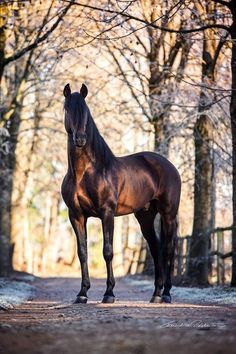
pixel 79 160
pixel 100 152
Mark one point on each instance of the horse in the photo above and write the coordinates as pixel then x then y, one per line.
pixel 100 184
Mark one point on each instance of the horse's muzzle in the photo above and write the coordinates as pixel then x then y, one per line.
pixel 80 140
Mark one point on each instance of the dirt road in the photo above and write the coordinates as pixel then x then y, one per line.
pixel 51 324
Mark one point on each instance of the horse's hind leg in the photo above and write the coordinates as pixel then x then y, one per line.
pixel 146 220
pixel 168 237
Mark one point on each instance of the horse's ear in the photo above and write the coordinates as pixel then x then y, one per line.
pixel 67 91
pixel 83 90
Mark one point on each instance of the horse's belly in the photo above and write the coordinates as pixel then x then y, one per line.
pixel 123 210
pixel 131 204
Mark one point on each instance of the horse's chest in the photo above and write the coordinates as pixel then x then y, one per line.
pixel 88 194
pixel 82 200
pixel 74 195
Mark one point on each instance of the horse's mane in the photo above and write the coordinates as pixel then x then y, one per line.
pixel 98 147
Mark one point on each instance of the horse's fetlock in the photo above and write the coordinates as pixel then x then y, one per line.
pixel 86 284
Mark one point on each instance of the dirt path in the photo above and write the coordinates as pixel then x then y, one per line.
pixel 51 324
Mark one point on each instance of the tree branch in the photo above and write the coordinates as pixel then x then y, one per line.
pixel 218 50
pixel 151 24
pixel 39 39
pixel 111 52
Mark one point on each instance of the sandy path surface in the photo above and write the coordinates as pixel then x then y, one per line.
pixel 50 323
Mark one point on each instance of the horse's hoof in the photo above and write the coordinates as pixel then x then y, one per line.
pixel 108 299
pixel 81 300
pixel 166 299
pixel 155 300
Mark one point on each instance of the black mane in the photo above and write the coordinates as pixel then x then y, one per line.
pixel 98 147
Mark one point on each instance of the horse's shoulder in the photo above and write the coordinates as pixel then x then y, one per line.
pixel 66 184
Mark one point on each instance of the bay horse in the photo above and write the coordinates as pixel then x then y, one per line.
pixel 99 184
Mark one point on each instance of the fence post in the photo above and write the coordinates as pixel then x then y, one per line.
pixel 222 259
pixel 219 253
pixel 188 240
pixel 180 256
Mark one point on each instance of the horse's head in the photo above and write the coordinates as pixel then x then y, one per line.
pixel 76 115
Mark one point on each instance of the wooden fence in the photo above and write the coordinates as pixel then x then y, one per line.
pixel 220 255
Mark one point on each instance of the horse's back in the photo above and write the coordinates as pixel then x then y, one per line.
pixel 154 162
pixel 163 178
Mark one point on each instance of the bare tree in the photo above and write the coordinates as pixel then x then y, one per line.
pixel 18 73
pixel 203 137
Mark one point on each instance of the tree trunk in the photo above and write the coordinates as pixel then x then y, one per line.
pixel 199 246
pixel 4 18
pixel 5 266
pixel 2 49
pixel 156 81
pixel 164 49
pixel 50 223
pixel 7 167
pixel 8 159
pixel 233 129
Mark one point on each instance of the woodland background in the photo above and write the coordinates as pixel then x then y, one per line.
pixel 161 76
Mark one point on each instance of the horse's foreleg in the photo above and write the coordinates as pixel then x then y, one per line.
pixel 79 225
pixel 108 229
pixel 169 240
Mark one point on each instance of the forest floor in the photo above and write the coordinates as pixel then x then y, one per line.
pixel 50 323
